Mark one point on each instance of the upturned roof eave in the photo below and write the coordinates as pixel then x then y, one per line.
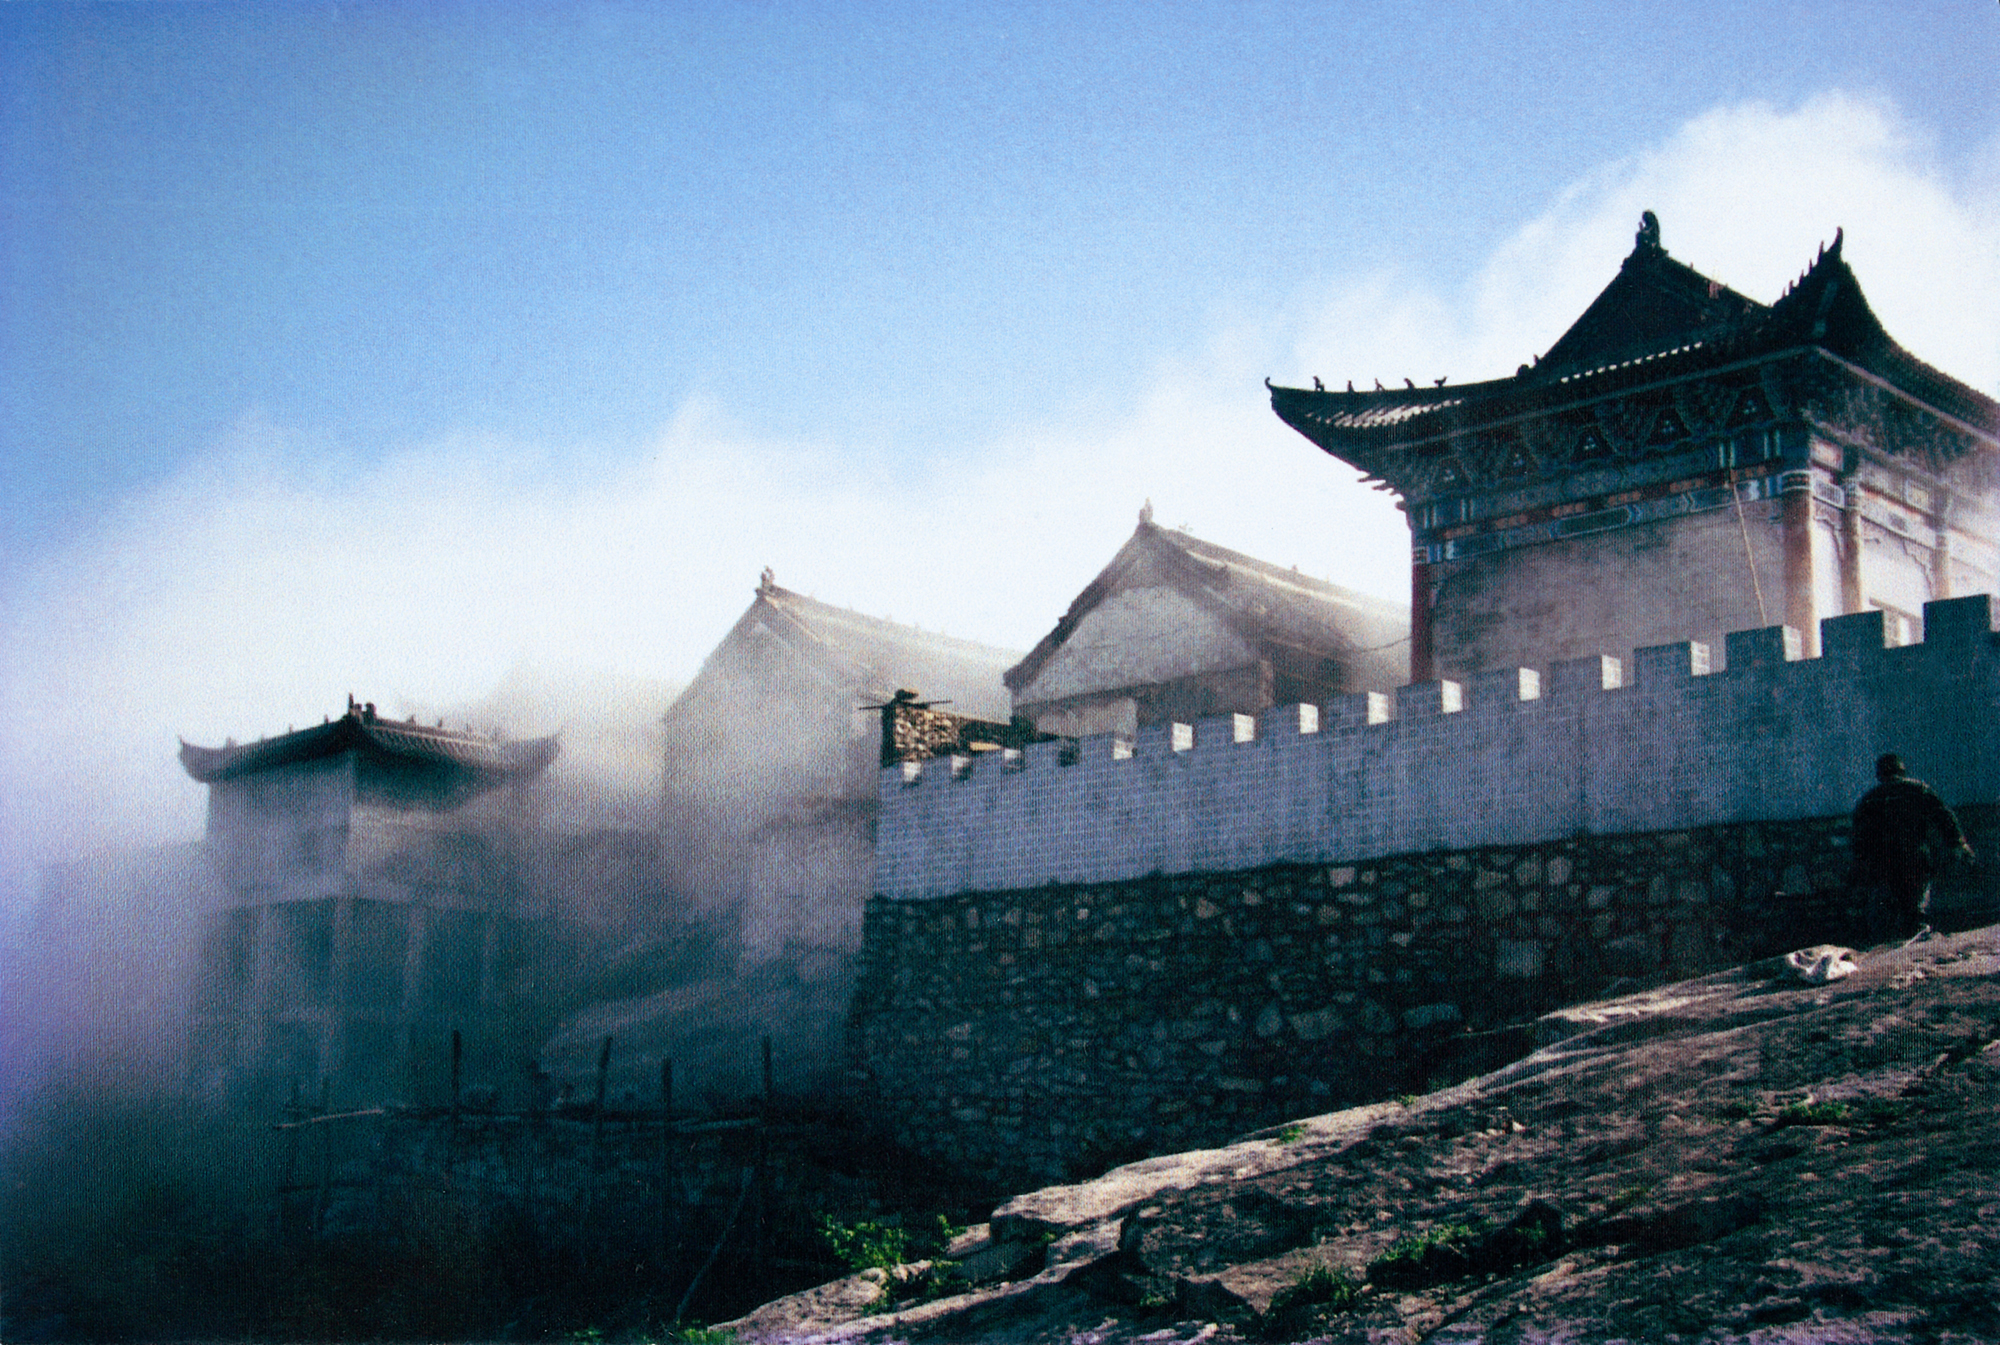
pixel 1493 403
pixel 1964 406
pixel 1372 449
pixel 1708 329
pixel 1326 418
pixel 210 765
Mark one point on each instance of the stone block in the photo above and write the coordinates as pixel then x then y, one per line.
pixel 1854 634
pixel 1662 664
pixel 1504 687
pixel 1042 756
pixel 1356 711
pixel 1958 620
pixel 1765 648
pixel 1424 700
pixel 988 1259
pixel 1585 676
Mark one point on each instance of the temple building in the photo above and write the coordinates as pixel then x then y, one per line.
pixel 1683 462
pixel 370 905
pixel 1176 629
pixel 770 757
pixel 769 797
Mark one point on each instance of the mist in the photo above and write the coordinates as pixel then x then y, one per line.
pixel 262 586
pixel 539 587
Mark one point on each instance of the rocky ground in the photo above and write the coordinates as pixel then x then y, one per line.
pixel 1750 1156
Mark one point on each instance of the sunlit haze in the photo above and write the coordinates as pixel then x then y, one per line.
pixel 397 350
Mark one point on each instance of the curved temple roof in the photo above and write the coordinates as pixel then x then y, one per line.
pixel 870 657
pixel 1657 320
pixel 1266 601
pixel 459 764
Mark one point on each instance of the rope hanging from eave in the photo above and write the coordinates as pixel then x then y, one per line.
pixel 1763 618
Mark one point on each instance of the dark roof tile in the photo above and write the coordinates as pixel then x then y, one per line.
pixel 408 746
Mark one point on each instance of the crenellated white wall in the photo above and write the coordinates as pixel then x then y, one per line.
pixel 1509 758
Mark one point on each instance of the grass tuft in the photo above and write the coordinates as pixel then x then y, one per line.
pixel 1416 1248
pixel 1810 1113
pixel 1627 1196
pixel 1328 1288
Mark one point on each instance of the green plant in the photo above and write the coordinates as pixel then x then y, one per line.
pixel 1407 1099
pixel 942 1280
pixel 702 1335
pixel 1418 1248
pixel 1879 1111
pixel 1318 1286
pixel 1437 1254
pixel 1627 1196
pixel 1807 1112
pixel 1333 1286
pixel 1289 1134
pixel 865 1244
pixel 884 1244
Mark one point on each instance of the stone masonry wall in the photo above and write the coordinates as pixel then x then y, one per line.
pixel 1033 1035
pixel 1512 758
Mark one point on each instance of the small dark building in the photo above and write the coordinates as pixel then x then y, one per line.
pixel 370 904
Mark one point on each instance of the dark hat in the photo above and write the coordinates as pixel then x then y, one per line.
pixel 1888 766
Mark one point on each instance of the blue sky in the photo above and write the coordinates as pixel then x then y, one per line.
pixel 386 347
pixel 893 226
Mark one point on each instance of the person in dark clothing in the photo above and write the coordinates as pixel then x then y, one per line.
pixel 1896 826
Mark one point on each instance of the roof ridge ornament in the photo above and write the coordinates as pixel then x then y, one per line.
pixel 1647 240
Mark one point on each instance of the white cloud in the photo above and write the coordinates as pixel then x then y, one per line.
pixel 257 590
pixel 1745 194
pixel 1748 194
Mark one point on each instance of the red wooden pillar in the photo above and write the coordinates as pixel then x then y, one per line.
pixel 1796 503
pixel 1422 659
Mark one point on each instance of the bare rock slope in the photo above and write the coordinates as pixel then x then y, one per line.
pixel 1752 1156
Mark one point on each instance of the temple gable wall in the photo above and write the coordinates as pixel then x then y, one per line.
pixel 1134 638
